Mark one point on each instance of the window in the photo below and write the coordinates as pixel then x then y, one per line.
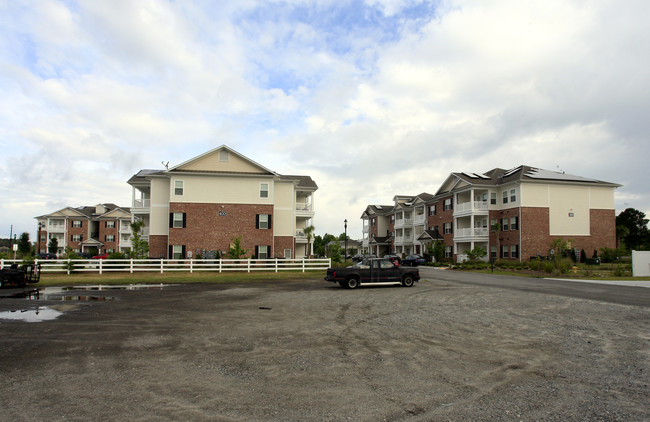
pixel 178 187
pixel 110 251
pixel 76 237
pixel 110 224
pixel 76 224
pixel 493 252
pixel 493 224
pixel 514 223
pixel 493 198
pixel 263 221
pixel 392 219
pixel 262 252
pixel 447 227
pixel 448 204
pixel 513 195
pixel 505 196
pixel 177 220
pixel 264 190
pixel 177 251
pixel 373 222
pixel 448 252
pixel 504 251
pixel 43 237
pixel 109 238
pixel 432 210
pixel 514 251
pixel 223 155
pixel 504 224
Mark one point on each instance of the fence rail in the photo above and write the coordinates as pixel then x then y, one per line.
pixel 161 265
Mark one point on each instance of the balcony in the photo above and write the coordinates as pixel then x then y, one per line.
pixel 420 219
pixel 403 239
pixel 471 207
pixel 366 228
pixel 142 204
pixel 403 222
pixel 472 233
pixel 304 209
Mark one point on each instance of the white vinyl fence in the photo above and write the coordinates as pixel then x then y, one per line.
pixel 166 265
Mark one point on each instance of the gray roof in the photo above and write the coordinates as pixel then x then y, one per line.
pixel 303 181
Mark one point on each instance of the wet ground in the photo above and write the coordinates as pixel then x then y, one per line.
pixel 454 347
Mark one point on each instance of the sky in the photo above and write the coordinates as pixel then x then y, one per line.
pixel 371 98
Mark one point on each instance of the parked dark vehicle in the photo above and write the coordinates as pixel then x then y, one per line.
pixel 361 257
pixel 20 275
pixel 371 271
pixel 46 256
pixel 393 258
pixel 413 260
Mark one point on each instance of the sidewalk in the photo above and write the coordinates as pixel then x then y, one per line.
pixel 633 283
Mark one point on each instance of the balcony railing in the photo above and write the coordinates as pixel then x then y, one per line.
pixel 403 222
pixel 304 206
pixel 420 219
pixel 471 206
pixel 475 232
pixel 142 203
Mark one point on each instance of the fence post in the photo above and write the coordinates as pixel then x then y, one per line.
pixel 131 266
pixel 100 265
pixel 68 266
pixel 276 265
pixel 161 265
pixel 303 264
pixel 2 263
pixel 191 262
pixel 249 265
pixel 220 259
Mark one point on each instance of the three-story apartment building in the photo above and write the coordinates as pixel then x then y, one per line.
pixel 103 227
pixel 199 206
pixel 512 214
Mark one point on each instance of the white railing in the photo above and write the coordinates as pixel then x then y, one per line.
pixel 476 232
pixel 142 203
pixel 471 206
pixel 304 206
pixel 167 265
pixel 419 219
pixel 402 222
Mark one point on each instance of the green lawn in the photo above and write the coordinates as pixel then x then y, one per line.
pixel 49 279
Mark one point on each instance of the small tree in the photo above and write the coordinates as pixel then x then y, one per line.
pixel 335 252
pixel 437 250
pixel 24 245
pixel 53 246
pixel 476 253
pixel 139 246
pixel 236 251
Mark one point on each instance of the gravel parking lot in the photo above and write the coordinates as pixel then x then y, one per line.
pixel 446 349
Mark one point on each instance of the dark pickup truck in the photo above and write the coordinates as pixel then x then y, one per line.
pixel 20 275
pixel 372 271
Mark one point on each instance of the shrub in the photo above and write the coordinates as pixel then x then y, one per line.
pixel 619 271
pixel 563 266
pixel 548 267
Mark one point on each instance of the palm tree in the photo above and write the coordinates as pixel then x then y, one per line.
pixel 308 231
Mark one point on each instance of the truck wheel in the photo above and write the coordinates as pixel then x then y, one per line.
pixel 407 281
pixel 352 283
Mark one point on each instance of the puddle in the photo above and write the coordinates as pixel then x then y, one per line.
pixel 42 313
pixel 56 293
pixel 120 287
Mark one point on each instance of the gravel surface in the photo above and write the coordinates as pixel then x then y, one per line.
pixel 310 351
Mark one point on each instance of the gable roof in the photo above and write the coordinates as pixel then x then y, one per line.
pixel 210 162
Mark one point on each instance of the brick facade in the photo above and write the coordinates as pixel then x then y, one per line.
pixel 285 242
pixel 158 246
pixel 105 233
pixel 212 227
pixel 74 231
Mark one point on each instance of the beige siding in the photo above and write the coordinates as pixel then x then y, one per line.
pixel 569 211
pixel 159 207
pixel 221 189
pixel 601 198
pixel 234 164
pixel 533 195
pixel 284 211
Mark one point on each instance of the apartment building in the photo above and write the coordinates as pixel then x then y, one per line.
pixel 512 214
pixel 199 206
pixel 103 227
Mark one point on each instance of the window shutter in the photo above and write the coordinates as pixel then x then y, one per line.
pixel 257 226
pixel 270 218
pixel 257 252
pixel 171 220
pixel 184 224
pixel 516 223
pixel 171 252
pixel 268 251
pixel 183 251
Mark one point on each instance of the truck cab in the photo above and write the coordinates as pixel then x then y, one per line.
pixel 371 271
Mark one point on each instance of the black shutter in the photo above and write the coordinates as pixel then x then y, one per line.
pixel 171 252
pixel 270 218
pixel 516 223
pixel 171 220
pixel 257 224
pixel 257 252
pixel 184 224
pixel 183 251
pixel 268 251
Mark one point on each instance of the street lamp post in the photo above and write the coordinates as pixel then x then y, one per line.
pixel 38 234
pixel 345 252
